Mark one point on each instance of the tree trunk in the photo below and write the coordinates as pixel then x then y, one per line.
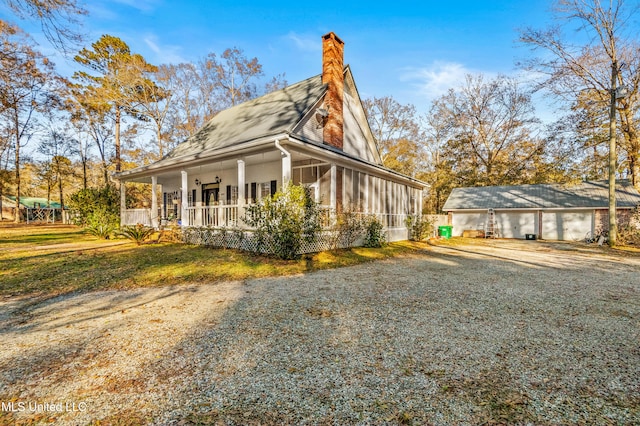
pixel 84 172
pixel 16 123
pixel 634 168
pixel 60 190
pixel 117 137
pixel 160 144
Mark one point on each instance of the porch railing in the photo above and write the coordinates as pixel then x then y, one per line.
pixel 228 216
pixel 224 216
pixel 136 216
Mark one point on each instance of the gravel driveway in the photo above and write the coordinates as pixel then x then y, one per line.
pixel 493 332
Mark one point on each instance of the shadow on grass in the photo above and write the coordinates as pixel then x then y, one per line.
pixel 126 266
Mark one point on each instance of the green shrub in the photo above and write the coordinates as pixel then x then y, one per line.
pixel 350 225
pixel 92 205
pixel 98 210
pixel 284 221
pixel 138 233
pixel 419 228
pixel 100 227
pixel 374 235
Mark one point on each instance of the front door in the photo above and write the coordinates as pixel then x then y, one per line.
pixel 210 194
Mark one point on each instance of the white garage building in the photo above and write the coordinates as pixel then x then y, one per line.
pixel 548 211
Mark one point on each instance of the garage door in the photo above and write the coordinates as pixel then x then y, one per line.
pixel 567 225
pixel 516 224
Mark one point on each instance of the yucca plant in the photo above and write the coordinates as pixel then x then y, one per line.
pixel 138 233
pixel 101 230
pixel 101 224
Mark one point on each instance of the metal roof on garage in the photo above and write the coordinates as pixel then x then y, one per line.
pixel 588 194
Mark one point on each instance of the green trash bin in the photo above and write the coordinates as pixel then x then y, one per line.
pixel 445 231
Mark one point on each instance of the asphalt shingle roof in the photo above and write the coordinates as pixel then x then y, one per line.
pixel 271 114
pixel 541 196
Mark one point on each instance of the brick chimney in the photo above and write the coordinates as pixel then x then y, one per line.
pixel 333 77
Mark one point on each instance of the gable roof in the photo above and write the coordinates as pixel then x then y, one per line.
pixel 269 115
pixel 586 194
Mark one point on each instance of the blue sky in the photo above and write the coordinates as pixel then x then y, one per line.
pixel 412 50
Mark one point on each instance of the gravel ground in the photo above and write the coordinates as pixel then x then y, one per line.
pixel 495 332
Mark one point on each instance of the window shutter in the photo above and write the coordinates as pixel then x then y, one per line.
pixel 274 187
pixel 164 205
pixel 254 190
pixel 228 194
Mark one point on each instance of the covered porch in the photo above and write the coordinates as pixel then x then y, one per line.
pixel 216 192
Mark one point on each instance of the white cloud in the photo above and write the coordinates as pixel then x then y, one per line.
pixel 141 5
pixel 304 42
pixel 163 54
pixel 435 80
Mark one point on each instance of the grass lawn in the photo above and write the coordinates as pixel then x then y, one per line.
pixel 48 260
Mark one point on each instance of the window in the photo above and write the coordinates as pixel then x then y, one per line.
pixel 265 190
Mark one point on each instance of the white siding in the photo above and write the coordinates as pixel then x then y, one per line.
pixel 309 128
pixel 355 142
pixel 567 225
pixel 507 224
pixel 464 221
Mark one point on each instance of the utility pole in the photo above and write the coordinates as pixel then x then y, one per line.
pixel 613 223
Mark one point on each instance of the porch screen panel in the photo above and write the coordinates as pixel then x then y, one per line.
pixel 348 189
pixel 325 184
pixel 310 174
pixel 355 191
pixel 340 171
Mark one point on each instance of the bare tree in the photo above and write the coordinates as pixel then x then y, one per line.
pixel 612 39
pixel 390 122
pixel 191 102
pixel 581 73
pixel 25 78
pixel 91 118
pixel 234 76
pixel 59 19
pixel 58 147
pixel 199 91
pixel 491 131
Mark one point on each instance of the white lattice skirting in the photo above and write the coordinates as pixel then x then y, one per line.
pixel 248 241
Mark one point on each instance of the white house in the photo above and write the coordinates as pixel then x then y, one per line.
pixel 313 133
pixel 548 211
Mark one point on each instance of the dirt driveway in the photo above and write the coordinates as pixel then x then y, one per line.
pixel 476 332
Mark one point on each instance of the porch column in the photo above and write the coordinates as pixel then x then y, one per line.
pixel 286 169
pixel 332 194
pixel 184 213
pixel 154 202
pixel 123 203
pixel 241 192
